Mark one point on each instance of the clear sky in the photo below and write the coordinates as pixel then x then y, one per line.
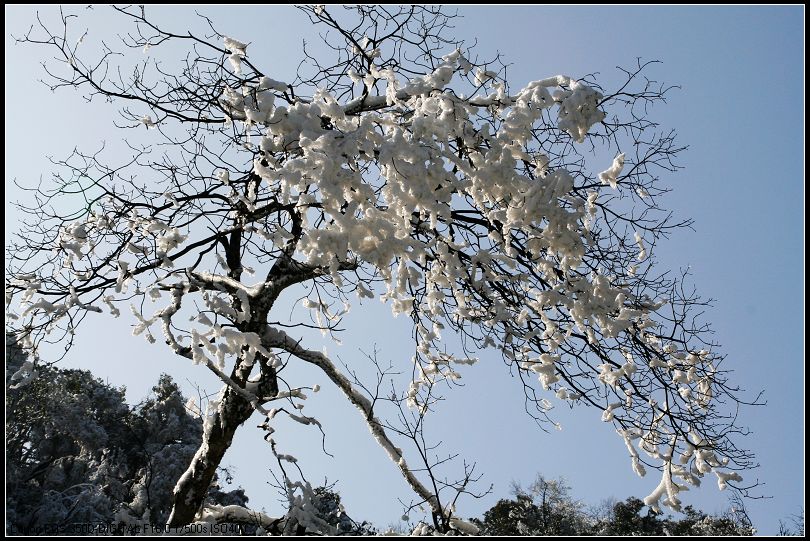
pixel 740 109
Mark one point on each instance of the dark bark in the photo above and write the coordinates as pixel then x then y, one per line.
pixel 190 492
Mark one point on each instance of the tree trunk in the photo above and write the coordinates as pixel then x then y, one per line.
pixel 191 489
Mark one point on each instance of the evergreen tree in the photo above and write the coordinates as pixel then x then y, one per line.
pixel 76 453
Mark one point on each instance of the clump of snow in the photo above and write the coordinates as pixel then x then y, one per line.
pixel 610 175
pixel 579 109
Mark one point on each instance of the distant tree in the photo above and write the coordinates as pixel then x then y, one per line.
pixel 400 165
pixel 731 522
pixel 545 508
pixel 794 525
pixel 627 519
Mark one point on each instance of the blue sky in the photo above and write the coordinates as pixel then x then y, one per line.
pixel 740 109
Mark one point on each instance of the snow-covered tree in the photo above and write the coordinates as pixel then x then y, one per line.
pixel 398 165
pixel 547 507
pixel 76 453
pixel 626 519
